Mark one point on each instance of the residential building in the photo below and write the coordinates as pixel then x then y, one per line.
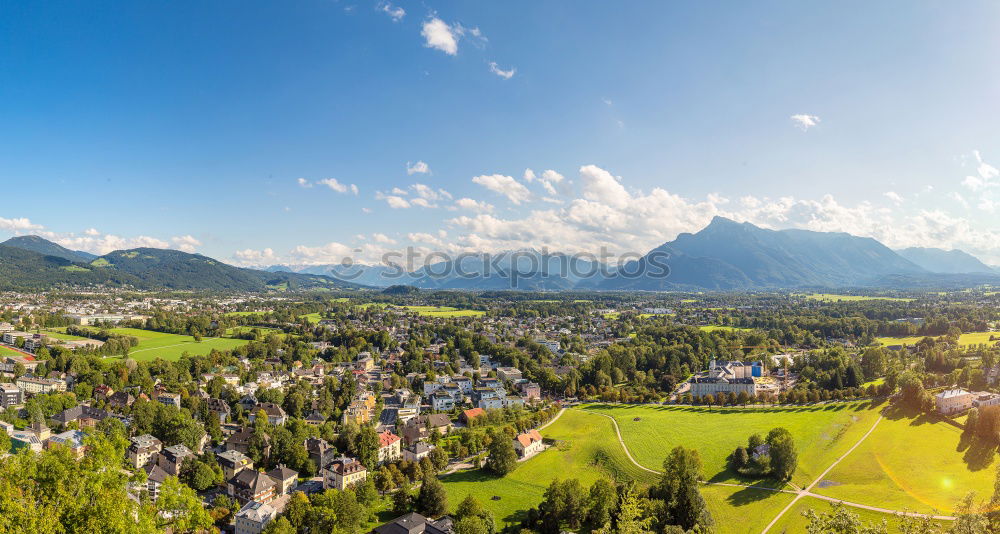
pixel 320 452
pixel 143 450
pixel 155 476
pixel 414 523
pixel 727 377
pixel 10 395
pixel 232 462
pixel 71 439
pixel 172 458
pixel 284 478
pixel 389 447
pixel 219 408
pixel 952 401
pixel 984 399
pixel 528 443
pixel 170 399
pixel 343 473
pixel 251 485
pixel 275 414
pixel 468 415
pixel 31 385
pixel 417 451
pixel 508 374
pixel 254 517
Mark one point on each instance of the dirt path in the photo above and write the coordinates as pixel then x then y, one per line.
pixel 553 420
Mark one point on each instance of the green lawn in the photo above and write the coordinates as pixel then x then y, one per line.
pixel 828 297
pixel 60 335
pixel 822 433
pixel 313 318
pixel 971 338
pixel 443 311
pixel 153 345
pixel 7 351
pixel 589 450
pixel 914 463
pixel 714 327
pixel 243 313
pixel 743 510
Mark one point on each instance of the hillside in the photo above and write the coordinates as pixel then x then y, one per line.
pixel 41 245
pixel 937 260
pixel 141 268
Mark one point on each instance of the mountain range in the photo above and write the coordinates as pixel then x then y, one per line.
pixel 725 255
pixel 34 263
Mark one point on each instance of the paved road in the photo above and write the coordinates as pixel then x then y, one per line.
pixel 798 492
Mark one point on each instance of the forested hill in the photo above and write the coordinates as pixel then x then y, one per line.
pixel 141 268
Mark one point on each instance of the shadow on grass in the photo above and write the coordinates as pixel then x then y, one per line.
pixel 979 452
pixel 747 496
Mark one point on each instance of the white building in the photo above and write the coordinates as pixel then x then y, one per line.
pixel 952 401
pixel 252 518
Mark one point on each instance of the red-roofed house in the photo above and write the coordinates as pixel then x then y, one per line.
pixel 388 447
pixel 469 415
pixel 528 443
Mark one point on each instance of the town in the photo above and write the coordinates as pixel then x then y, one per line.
pixel 254 413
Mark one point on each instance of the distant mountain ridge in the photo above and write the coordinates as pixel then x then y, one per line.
pixel 937 260
pixel 725 255
pixel 32 262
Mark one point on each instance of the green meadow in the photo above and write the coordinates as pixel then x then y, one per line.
pixel 443 311
pixel 829 297
pixel 153 345
pixel 714 327
pixel 965 340
pixel 917 463
pixel 822 432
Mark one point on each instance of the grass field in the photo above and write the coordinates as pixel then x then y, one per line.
pixel 243 314
pixel 60 335
pixel 443 311
pixel 971 338
pixel 7 351
pixel 714 327
pixel 829 297
pixel 589 450
pixel 822 433
pixel 743 510
pixel 914 463
pixel 153 345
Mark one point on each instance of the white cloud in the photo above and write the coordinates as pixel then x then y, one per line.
pixel 505 74
pixel 250 256
pixel 529 175
pixel 607 101
pixel 473 205
pixel 396 202
pixel 186 243
pixel 335 185
pixel 91 232
pixel 550 179
pixel 804 122
pixel 439 35
pixel 600 186
pixel 384 239
pixel 417 168
pixel 894 197
pixel 395 12
pixel 504 185
pixel 20 224
pixel 304 183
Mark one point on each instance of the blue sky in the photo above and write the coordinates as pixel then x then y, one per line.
pixel 237 129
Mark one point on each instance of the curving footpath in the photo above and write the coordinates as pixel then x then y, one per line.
pixel 798 492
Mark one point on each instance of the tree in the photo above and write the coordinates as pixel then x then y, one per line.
pixel 470 508
pixel 279 526
pixel 432 501
pixel 297 509
pixel 678 488
pixel 784 458
pixel 198 475
pixel 180 508
pixel 841 521
pixel 600 503
pixel 402 501
pixel 630 514
pixel 971 422
pixel 502 457
pixel 367 447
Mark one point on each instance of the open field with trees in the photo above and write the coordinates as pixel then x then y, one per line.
pixel 829 297
pixel 586 448
pixel 154 345
pixel 823 433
